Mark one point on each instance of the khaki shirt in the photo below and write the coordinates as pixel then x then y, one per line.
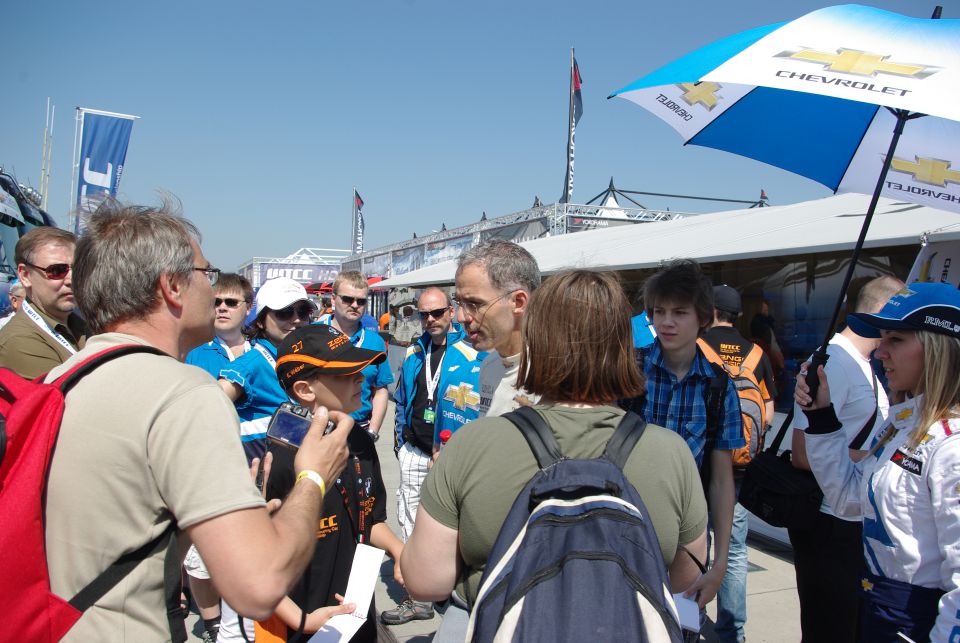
pixel 144 440
pixel 30 352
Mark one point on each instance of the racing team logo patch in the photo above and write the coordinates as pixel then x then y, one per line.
pixel 462 396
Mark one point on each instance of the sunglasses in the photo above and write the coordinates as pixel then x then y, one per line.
pixel 54 271
pixel 436 314
pixel 302 310
pixel 361 301
pixel 229 301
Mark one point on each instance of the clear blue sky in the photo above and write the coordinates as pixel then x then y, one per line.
pixel 262 117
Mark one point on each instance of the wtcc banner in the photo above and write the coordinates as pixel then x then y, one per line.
pixel 104 137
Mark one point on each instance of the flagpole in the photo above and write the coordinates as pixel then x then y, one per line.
pixel 71 204
pixel 353 221
pixel 570 116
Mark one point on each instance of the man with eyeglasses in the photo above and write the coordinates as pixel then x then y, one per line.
pixel 438 391
pixel 45 331
pixel 148 448
pixel 350 290
pixel 233 295
pixel 494 282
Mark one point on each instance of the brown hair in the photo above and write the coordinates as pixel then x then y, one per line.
pixel 680 282
pixel 39 237
pixel 567 356
pixel 232 282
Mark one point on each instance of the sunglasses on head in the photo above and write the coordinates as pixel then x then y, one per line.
pixel 348 300
pixel 53 271
pixel 303 310
pixel 436 314
pixel 230 302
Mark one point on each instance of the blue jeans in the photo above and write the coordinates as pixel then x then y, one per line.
pixel 732 597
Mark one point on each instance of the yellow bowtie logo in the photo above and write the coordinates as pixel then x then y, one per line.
pixel 929 171
pixel 704 93
pixel 462 396
pixel 860 63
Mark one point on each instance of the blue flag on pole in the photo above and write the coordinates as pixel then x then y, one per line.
pixel 104 139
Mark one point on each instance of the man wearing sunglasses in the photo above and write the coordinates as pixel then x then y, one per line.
pixel 350 292
pixel 494 282
pixel 438 391
pixel 45 331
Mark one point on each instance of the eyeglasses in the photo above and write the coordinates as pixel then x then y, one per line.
pixel 436 314
pixel 361 301
pixel 54 271
pixel 303 310
pixel 230 302
pixel 473 309
pixel 212 274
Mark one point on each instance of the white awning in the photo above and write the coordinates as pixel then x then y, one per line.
pixel 823 225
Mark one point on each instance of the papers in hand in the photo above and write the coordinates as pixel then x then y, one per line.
pixel 360 587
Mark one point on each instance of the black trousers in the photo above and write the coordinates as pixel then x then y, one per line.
pixel 828 560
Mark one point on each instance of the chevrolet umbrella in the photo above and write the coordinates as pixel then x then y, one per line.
pixel 853 97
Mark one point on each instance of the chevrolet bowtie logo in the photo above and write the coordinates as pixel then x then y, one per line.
pixel 703 92
pixel 860 63
pixel 929 171
pixel 866 585
pixel 904 414
pixel 462 396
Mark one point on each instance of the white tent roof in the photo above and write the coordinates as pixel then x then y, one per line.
pixel 823 225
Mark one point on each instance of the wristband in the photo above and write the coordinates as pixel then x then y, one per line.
pixel 373 435
pixel 314 477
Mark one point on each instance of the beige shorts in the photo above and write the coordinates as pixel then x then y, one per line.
pixel 194 564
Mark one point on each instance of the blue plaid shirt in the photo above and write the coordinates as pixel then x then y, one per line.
pixel 680 405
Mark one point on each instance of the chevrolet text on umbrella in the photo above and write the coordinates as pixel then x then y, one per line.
pixel 859 63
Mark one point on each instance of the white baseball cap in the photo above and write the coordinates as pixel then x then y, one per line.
pixel 279 293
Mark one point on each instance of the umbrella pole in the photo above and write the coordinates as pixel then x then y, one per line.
pixel 820 356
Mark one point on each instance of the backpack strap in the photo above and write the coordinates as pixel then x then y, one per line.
pixel 752 360
pixel 69 379
pixel 624 438
pixel 538 435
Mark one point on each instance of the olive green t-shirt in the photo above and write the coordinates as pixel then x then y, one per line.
pixel 486 464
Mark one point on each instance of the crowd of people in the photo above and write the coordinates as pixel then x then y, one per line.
pixel 169 444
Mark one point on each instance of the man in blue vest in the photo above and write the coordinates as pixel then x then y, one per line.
pixel 438 391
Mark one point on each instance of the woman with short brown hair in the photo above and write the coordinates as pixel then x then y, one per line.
pixel 578 356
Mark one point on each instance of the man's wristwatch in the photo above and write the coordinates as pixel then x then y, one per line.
pixel 373 435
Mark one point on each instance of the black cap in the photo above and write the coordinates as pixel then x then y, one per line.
pixel 320 349
pixel 727 299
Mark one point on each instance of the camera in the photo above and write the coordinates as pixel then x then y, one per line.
pixel 290 423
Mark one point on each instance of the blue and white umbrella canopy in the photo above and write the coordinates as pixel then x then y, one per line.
pixel 809 96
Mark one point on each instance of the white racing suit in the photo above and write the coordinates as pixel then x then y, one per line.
pixel 909 499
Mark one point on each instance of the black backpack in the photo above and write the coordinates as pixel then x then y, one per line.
pixel 577 558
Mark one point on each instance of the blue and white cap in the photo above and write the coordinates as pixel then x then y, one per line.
pixel 920 306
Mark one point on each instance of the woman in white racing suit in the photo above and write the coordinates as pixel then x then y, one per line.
pixel 908 486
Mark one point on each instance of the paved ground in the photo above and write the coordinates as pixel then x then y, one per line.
pixel 772 607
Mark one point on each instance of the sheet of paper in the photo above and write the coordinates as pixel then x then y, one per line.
pixel 360 588
pixel 338 629
pixel 688 611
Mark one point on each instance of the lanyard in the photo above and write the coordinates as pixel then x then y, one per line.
pixel 358 523
pixel 432 379
pixel 266 355
pixel 359 342
pixel 230 355
pixel 38 320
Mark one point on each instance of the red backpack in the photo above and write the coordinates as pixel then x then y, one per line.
pixel 30 415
